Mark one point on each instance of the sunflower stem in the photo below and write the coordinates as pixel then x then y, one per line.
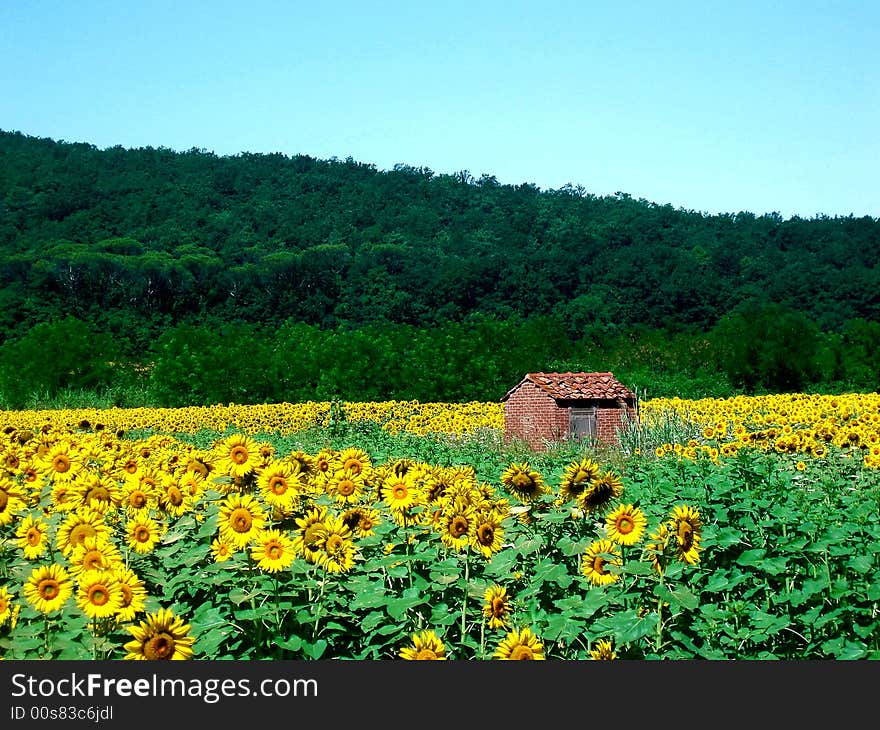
pixel 658 643
pixel 320 606
pixel 46 650
pixel 464 601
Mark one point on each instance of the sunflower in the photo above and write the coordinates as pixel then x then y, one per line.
pixel 142 534
pixel 221 550
pixel 520 645
pixel 138 497
pixel 399 494
pixel 174 500
pixel 354 460
pixel 657 547
pixel 599 555
pixel 266 452
pixel 134 594
pixel 241 517
pixel 600 493
pixel 488 533
pixel 48 588
pixel 312 534
pixel 273 551
pixel 97 492
pixel 325 462
pixel 99 594
pixel 337 553
pixel 345 487
pixel 425 646
pixel 161 635
pixel 626 524
pixel 523 482
pixel 301 462
pixel 11 501
pixel 32 537
pixel 362 521
pixel 63 497
pixel 603 650
pixel 237 456
pixel 192 484
pixel 496 607
pixel 5 604
pixel 280 486
pixel 79 525
pixel 578 475
pixel 59 463
pixel 686 525
pixel 94 553
pixel 457 525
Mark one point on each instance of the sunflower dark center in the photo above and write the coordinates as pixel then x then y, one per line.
pixel 274 551
pixel 523 482
pixel 625 525
pixel 49 589
pixel 142 534
pixel 238 455
pixel 98 494
pixel 346 487
pixel 34 536
pixel 499 607
pixel 486 534
pixel 137 499
pixel 399 492
pixel 241 520
pixel 277 485
pixel 522 652
pixel 458 527
pixel 61 463
pixel 98 595
pixel 93 559
pixel 79 533
pixel 4 500
pixel 160 646
pixel 685 536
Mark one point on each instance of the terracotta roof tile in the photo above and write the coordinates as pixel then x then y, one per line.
pixel 575 386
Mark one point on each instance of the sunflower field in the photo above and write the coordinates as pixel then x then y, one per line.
pixel 720 530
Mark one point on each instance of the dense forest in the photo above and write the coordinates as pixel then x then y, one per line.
pixel 191 273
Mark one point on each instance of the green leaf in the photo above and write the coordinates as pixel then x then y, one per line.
pixel 628 626
pixel 773 566
pixel 527 547
pixel 292 643
pixel 860 563
pixel 844 649
pixel 316 650
pixel 726 537
pixel 751 558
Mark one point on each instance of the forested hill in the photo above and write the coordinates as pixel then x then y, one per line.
pixel 145 276
pixel 155 236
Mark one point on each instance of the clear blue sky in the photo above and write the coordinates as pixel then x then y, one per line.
pixel 707 105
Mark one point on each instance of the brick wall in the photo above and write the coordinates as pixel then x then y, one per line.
pixel 534 417
pixel 608 421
